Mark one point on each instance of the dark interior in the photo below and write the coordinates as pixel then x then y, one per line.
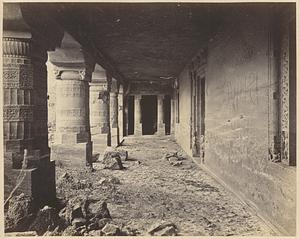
pixel 149 114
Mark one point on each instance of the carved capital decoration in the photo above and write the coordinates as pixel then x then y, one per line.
pixel 16 47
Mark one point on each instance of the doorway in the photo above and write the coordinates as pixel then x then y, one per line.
pixel 149 114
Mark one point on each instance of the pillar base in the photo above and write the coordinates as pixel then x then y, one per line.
pixel 161 130
pixel 39 183
pixel 100 143
pixel 114 134
pixel 76 155
pixel 138 131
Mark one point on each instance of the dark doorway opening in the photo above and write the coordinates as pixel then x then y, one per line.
pixel 130 105
pixel 149 114
pixel 167 114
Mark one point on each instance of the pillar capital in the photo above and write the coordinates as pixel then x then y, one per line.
pixel 99 75
pixel 137 97
pixel 71 61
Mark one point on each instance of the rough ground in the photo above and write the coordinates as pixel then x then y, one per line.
pixel 153 190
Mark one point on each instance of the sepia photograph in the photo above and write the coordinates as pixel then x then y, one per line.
pixel 149 119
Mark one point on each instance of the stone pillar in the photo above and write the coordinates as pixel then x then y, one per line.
pixel 99 110
pixel 113 111
pixel 120 113
pixel 74 67
pixel 26 153
pixel 137 115
pixel 51 103
pixel 160 115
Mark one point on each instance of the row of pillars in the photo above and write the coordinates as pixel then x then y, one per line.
pixel 138 115
pixel 88 102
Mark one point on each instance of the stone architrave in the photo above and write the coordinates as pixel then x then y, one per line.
pixel 73 69
pixel 26 148
pixel 113 106
pixel 99 110
pixel 137 115
pixel 160 115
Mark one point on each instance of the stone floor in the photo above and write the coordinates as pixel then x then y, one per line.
pixel 154 190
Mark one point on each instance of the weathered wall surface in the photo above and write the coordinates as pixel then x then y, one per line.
pixel 182 128
pixel 238 118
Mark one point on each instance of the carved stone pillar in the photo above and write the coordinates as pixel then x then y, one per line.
pixel 26 153
pixel 120 113
pixel 137 115
pixel 99 110
pixel 160 115
pixel 113 102
pixel 74 67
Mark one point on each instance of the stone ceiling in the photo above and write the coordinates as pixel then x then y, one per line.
pixel 140 41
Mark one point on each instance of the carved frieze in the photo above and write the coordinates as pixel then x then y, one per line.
pixel 18 113
pixel 17 77
pixel 16 47
pixel 284 88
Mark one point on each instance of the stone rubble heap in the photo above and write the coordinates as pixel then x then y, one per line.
pixel 174 158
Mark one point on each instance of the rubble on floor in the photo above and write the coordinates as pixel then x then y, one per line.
pixel 112 162
pixel 163 229
pixel 113 152
pixel 47 219
pixel 20 214
pixel 174 158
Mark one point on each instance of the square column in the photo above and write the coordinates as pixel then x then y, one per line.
pixel 113 111
pixel 137 115
pixel 73 69
pixel 160 115
pixel 120 113
pixel 99 110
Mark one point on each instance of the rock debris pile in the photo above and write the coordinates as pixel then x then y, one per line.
pixel 174 158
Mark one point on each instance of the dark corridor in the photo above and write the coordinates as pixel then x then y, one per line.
pixel 149 114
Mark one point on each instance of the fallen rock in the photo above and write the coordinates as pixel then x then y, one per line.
pixel 128 231
pixel 111 230
pixel 78 222
pixel 99 210
pixel 113 152
pixel 113 163
pixel 20 214
pixel 102 222
pixel 47 219
pixel 71 231
pixel 163 229
pixel 55 232
pixel 174 158
pixel 76 208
